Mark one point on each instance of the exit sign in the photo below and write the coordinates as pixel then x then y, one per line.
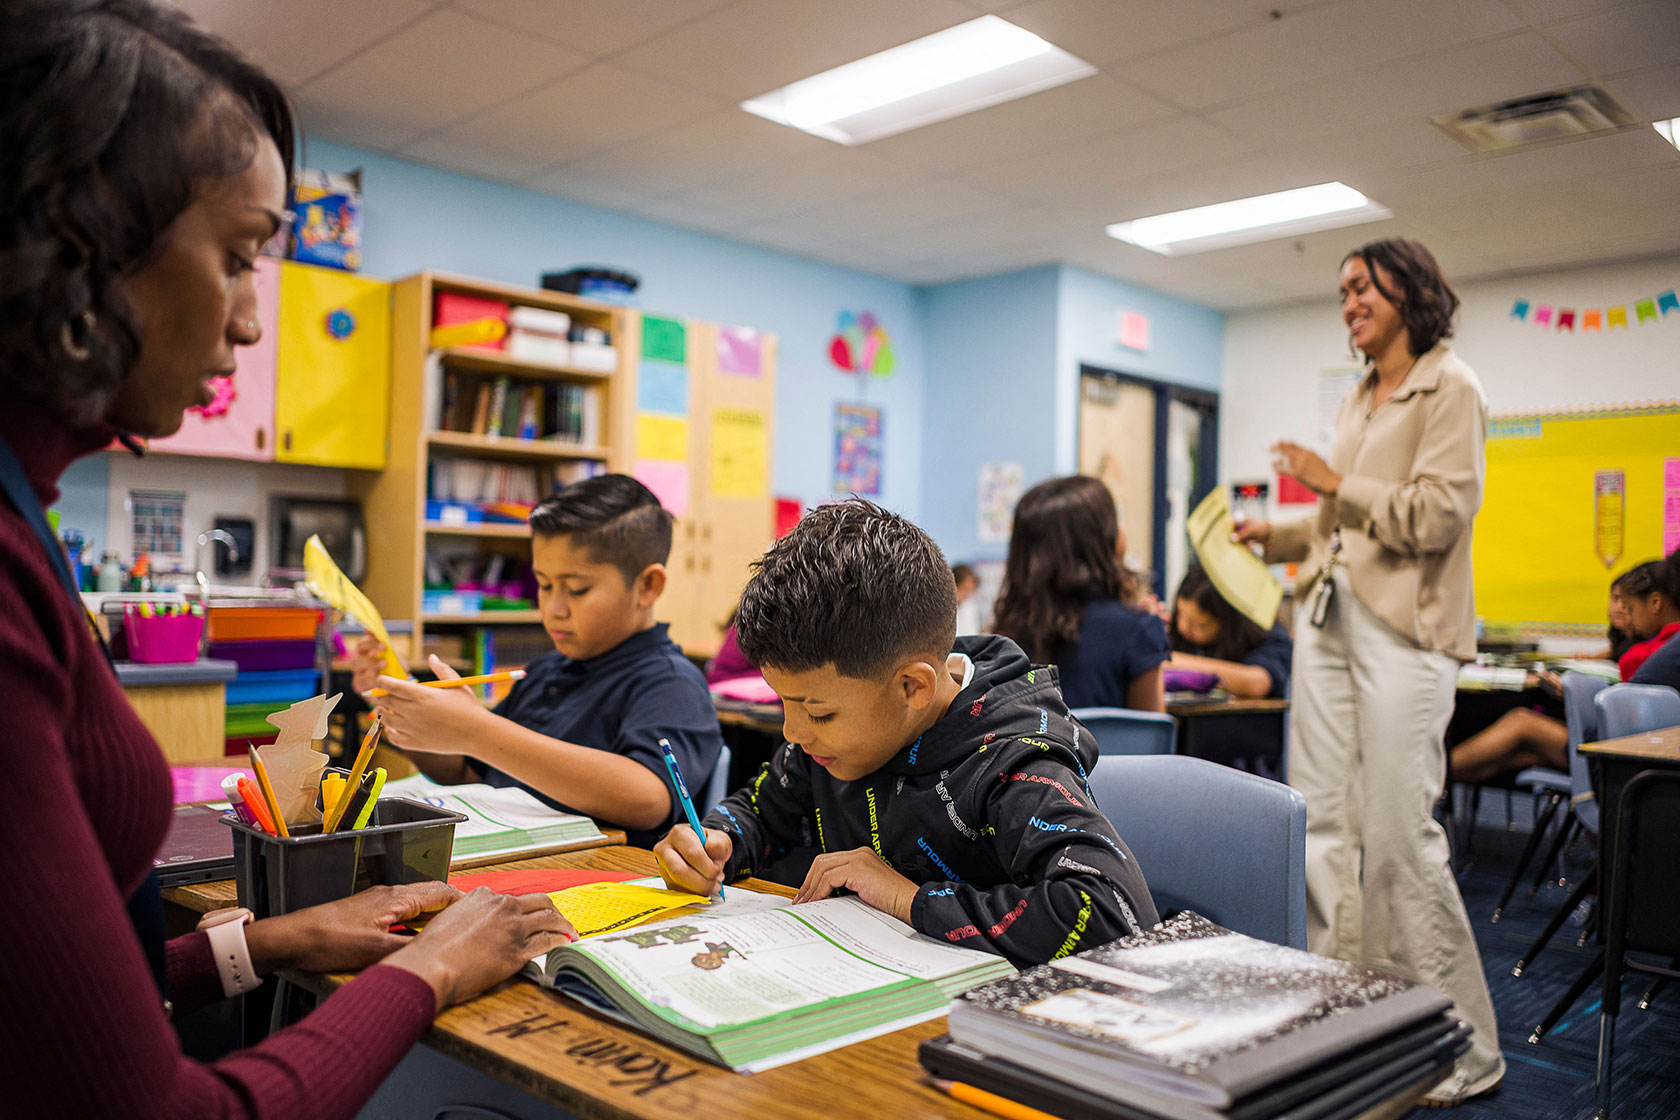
pixel 1134 330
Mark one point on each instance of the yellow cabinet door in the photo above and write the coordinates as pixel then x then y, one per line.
pixel 332 400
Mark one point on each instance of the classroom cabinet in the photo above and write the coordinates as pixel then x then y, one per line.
pixel 333 369
pixel 239 424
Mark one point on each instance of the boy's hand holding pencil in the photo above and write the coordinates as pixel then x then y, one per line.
pixel 686 866
pixel 430 719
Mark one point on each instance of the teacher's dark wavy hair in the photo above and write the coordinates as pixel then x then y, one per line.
pixel 112 114
pixel 1063 553
pixel 1422 296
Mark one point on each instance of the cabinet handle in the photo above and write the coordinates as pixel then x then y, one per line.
pixel 688 563
pixel 706 531
pixel 706 564
pixel 286 440
pixel 262 438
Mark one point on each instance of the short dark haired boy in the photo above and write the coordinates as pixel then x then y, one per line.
pixel 582 730
pixel 947 790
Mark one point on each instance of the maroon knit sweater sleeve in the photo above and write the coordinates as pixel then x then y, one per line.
pixel 82 1029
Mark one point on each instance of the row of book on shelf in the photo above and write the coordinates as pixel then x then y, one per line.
pixel 460 490
pixel 501 406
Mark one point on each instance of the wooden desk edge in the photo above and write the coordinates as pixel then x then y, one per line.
pixel 1662 745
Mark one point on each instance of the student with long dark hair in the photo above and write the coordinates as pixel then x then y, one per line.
pixel 1653 611
pixel 1662 666
pixel 1062 598
pixel 1209 635
pixel 145 165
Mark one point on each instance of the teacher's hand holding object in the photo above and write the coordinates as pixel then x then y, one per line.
pixel 1388 614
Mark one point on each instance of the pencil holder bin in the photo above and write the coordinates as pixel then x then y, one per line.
pixel 164 638
pixel 405 842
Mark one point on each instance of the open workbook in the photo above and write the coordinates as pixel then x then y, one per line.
pixel 500 822
pixel 757 983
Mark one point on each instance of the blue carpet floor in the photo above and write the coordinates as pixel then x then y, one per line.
pixel 1554 1080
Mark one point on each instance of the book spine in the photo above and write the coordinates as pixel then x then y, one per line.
pixel 497 406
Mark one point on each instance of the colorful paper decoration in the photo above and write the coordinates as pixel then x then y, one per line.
pixel 1646 308
pixel 1519 310
pixel 1616 317
pixel 1668 301
pixel 1543 314
pixel 664 340
pixel 1650 310
pixel 1592 320
pixel 862 345
pixel 1566 319
pixel 857 449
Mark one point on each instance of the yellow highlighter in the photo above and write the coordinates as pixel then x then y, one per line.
pixel 375 784
pixel 332 787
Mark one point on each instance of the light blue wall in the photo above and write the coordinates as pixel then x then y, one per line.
pixel 419 217
pixel 991 346
pixel 82 498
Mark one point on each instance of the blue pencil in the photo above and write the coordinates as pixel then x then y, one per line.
pixel 686 801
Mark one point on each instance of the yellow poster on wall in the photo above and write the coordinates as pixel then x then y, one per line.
pixel 661 437
pixel 1571 501
pixel 740 454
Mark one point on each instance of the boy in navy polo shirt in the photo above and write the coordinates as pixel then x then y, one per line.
pixel 582 730
pixel 944 788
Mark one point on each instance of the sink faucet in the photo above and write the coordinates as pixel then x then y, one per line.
pixel 225 538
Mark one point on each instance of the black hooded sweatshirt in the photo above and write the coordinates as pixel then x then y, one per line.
pixel 989 812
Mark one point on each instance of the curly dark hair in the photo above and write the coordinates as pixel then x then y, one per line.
pixel 612 517
pixel 851 586
pixel 113 113
pixel 1239 635
pixel 1424 299
pixel 1062 555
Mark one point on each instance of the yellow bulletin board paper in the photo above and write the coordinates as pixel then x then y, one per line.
pixel 661 437
pixel 740 454
pixel 1237 573
pixel 596 908
pixel 1550 508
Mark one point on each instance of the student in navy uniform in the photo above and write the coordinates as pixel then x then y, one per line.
pixel 1209 635
pixel 582 730
pixel 945 789
pixel 1063 598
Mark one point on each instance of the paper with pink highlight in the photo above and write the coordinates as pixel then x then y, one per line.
pixel 668 479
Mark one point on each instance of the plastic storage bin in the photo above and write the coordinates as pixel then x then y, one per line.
pixel 162 639
pixel 262 657
pixel 263 623
pixel 406 842
pixel 273 687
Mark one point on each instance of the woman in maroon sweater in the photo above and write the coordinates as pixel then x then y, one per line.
pixel 145 164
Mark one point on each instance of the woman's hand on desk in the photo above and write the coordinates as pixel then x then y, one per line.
pixel 430 720
pixel 346 935
pixel 480 940
pixel 685 866
pixel 863 873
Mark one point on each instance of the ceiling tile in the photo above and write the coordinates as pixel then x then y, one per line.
pixel 1623 39
pixel 754 47
pixel 270 33
pixel 1552 11
pixel 587 111
pixel 1088 172
pixel 821 177
pixel 1652 94
pixel 1349 37
pixel 920 201
pixel 438 70
pixel 1102 31
pixel 590 26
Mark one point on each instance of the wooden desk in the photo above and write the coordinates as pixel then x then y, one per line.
pixel 201 898
pixel 183 706
pixel 1246 734
pixel 596 1069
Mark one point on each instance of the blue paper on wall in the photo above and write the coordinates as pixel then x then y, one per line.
pixel 662 387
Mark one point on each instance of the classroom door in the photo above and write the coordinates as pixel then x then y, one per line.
pixel 1117 445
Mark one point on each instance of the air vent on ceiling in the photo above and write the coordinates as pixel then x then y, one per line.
pixel 1549 117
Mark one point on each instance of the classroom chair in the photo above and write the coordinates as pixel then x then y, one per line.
pixel 717 785
pixel 1173 811
pixel 1124 731
pixel 1629 709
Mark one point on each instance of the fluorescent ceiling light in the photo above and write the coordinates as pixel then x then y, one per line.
pixel 1246 220
pixel 983 62
pixel 1669 130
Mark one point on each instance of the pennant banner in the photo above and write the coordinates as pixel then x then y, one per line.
pixel 1596 319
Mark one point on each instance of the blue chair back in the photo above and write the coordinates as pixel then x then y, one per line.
pixel 717 785
pixel 1229 845
pixel 1580 716
pixel 1629 709
pixel 1124 731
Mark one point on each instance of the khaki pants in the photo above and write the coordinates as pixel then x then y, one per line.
pixel 1367 718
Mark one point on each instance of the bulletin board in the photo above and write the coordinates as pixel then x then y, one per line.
pixel 1572 499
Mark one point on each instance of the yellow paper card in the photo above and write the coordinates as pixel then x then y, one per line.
pixel 1239 575
pixel 661 437
pixel 604 907
pixel 740 454
pixel 329 583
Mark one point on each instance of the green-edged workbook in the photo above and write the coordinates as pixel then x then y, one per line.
pixel 754 982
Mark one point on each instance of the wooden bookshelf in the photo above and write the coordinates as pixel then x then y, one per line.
pixel 394 500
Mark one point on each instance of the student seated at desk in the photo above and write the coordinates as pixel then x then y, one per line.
pixel 1066 599
pixel 944 788
pixel 1209 635
pixel 582 730
pixel 1663 664
pixel 146 164
pixel 1653 608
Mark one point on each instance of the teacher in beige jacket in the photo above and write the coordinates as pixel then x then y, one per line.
pixel 1386 614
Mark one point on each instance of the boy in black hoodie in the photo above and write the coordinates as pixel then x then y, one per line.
pixel 946 789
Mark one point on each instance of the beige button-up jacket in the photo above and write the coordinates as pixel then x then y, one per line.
pixel 1412 474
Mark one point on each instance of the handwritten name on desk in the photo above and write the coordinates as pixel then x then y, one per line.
pixel 644 1072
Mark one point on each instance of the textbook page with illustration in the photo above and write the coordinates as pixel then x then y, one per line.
pixel 1239 575
pixel 499 821
pixel 753 988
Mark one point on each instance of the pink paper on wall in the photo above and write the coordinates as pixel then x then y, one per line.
pixel 1671 474
pixel 739 351
pixel 668 479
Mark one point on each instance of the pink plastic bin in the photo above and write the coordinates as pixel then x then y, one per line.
pixel 167 639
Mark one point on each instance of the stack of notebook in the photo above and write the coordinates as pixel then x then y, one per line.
pixel 500 822
pixel 1192 1021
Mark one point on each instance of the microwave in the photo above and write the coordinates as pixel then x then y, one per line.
pixel 337 521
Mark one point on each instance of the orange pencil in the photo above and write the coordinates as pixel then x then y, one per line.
pixel 336 814
pixel 458 682
pixel 992 1103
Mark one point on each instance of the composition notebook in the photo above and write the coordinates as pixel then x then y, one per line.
pixel 500 822
pixel 753 982
pixel 1187 1019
